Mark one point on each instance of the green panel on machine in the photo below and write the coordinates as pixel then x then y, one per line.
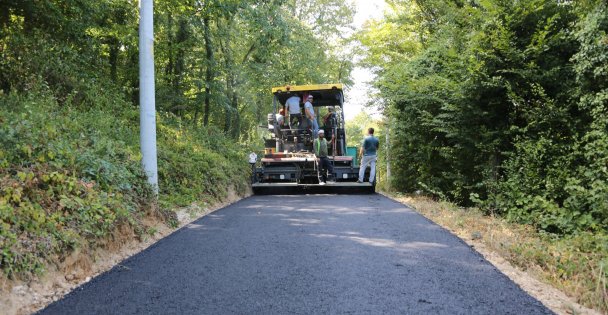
pixel 352 151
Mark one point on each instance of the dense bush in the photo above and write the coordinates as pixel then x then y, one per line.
pixel 557 176
pixel 63 183
pixel 500 103
pixel 198 164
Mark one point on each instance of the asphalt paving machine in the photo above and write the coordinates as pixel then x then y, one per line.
pixel 289 160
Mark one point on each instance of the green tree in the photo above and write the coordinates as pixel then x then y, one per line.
pixel 498 103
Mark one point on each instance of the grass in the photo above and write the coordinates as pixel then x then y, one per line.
pixel 577 264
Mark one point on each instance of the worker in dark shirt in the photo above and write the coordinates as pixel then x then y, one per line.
pixel 325 167
pixel 368 155
pixel 330 123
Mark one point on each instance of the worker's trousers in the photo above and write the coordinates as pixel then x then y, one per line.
pixel 365 161
pixel 314 125
pixel 326 170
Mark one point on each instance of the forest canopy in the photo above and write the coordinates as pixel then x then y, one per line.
pixel 215 59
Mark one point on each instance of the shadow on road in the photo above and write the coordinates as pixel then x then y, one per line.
pixel 305 253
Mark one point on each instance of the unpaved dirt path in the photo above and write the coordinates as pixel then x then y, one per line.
pixel 304 254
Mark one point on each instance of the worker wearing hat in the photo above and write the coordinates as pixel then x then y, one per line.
pixel 309 111
pixel 330 123
pixel 325 168
pixel 294 111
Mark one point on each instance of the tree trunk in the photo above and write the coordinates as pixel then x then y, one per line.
pixel 199 92
pixel 228 110
pixel 209 69
pixel 114 50
pixel 134 61
pixel 169 67
pixel 5 17
pixel 180 38
pixel 231 88
pixel 236 129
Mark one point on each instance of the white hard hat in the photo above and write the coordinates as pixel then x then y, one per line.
pixel 321 131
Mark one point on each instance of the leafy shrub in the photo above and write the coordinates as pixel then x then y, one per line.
pixel 500 104
pixel 197 163
pixel 69 176
pixel 62 184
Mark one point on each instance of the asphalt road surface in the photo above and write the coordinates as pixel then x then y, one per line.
pixel 304 254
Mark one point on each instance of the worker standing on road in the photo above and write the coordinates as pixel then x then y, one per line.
pixel 295 113
pixel 309 111
pixel 368 155
pixel 320 146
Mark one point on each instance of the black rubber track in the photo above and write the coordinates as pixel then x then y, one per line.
pixel 304 254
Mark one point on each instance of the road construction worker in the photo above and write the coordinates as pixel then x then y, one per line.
pixel 368 156
pixel 324 167
pixel 295 113
pixel 330 123
pixel 309 111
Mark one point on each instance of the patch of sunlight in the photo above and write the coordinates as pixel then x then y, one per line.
pixel 325 235
pixel 312 209
pixel 385 243
pixel 256 206
pixel 300 222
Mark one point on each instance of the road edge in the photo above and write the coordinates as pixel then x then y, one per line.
pixel 559 302
pixel 29 298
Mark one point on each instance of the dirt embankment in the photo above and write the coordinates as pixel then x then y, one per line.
pixel 25 297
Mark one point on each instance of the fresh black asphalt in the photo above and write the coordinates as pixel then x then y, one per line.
pixel 304 254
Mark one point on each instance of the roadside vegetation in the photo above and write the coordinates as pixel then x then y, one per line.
pixel 502 106
pixel 499 104
pixel 70 177
pixel 70 170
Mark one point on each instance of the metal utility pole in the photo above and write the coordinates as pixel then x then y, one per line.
pixel 388 155
pixel 147 109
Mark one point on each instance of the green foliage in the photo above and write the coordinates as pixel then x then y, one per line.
pixel 198 164
pixel 500 103
pixel 70 170
pixel 356 128
pixel 71 177
pixel 63 183
pixel 216 59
